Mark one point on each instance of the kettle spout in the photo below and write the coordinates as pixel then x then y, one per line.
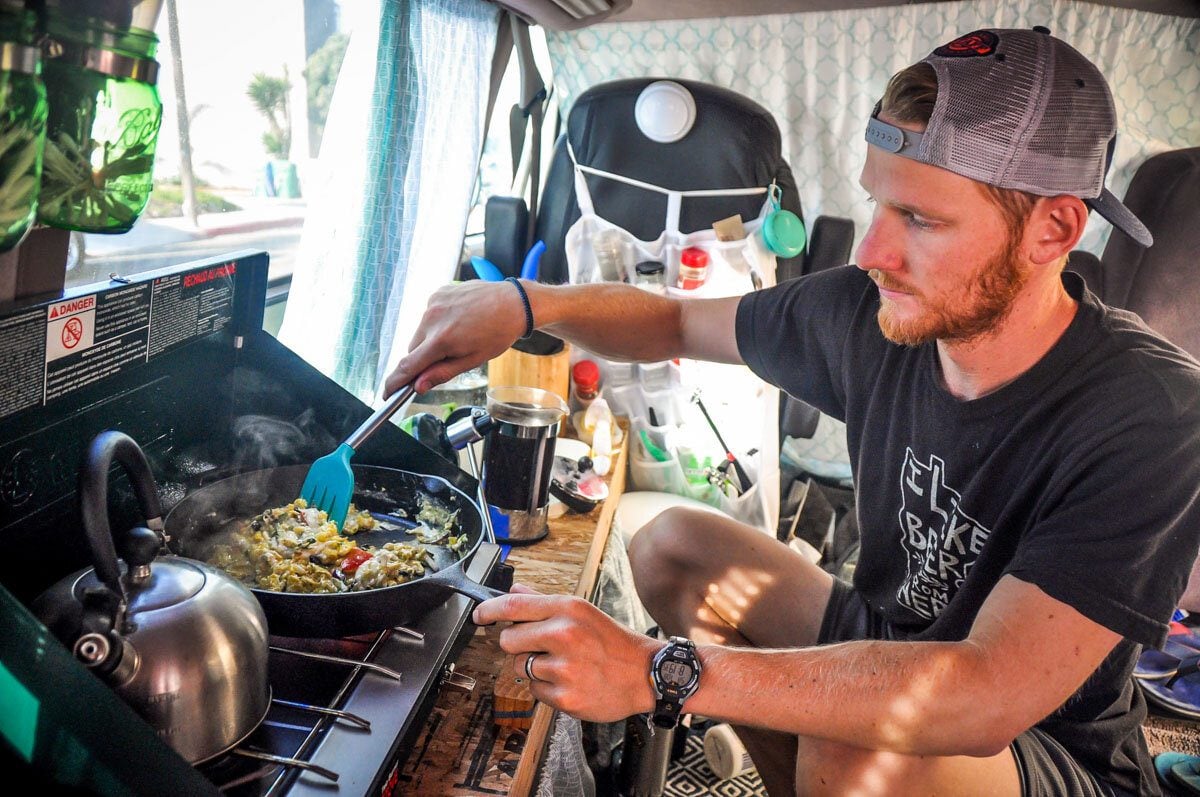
pixel 110 656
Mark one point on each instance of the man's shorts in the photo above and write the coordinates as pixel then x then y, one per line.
pixel 1045 767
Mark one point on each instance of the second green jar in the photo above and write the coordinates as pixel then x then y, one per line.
pixel 22 122
pixel 103 124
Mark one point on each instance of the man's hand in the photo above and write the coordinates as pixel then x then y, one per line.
pixel 464 326
pixel 585 664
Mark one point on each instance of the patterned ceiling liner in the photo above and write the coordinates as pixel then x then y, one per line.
pixel 820 74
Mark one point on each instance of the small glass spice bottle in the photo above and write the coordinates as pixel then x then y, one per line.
pixel 650 275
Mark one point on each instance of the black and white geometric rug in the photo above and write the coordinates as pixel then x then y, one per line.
pixel 689 775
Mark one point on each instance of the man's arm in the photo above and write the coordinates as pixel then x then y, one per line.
pixel 622 322
pixel 466 325
pixel 1026 654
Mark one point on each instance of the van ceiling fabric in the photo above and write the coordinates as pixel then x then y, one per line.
pixel 820 74
pixel 392 188
pixel 644 10
pixel 564 14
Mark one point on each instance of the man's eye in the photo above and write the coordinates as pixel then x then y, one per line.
pixel 917 222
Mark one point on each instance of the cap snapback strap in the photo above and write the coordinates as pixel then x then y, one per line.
pixel 893 139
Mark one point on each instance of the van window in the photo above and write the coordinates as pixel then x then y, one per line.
pixel 256 80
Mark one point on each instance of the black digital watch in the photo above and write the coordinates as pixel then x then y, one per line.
pixel 675 675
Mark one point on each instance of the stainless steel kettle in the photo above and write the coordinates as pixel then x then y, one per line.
pixel 181 642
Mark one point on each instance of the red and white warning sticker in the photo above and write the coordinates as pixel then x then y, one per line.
pixel 70 327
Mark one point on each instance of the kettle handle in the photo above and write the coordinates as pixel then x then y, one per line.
pixel 93 498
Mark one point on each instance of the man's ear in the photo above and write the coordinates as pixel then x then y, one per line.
pixel 1054 228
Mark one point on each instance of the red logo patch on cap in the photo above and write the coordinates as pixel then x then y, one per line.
pixel 981 42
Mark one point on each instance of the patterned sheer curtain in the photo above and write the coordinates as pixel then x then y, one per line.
pixel 820 74
pixel 389 202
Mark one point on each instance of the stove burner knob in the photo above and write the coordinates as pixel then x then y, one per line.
pixel 18 478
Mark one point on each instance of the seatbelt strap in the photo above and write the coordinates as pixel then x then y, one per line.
pixel 504 46
pixel 528 116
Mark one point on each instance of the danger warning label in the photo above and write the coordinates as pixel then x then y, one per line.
pixel 72 307
pixel 92 337
pixel 49 351
pixel 71 327
pixel 188 305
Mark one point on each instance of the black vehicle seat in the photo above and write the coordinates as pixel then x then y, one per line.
pixel 1160 283
pixel 734 143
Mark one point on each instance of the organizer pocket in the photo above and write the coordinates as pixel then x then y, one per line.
pixel 747 507
pixel 663 477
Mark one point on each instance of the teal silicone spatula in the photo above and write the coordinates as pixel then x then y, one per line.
pixel 329 484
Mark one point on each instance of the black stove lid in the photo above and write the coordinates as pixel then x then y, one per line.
pixel 178 360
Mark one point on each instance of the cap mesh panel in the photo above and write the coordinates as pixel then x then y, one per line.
pixel 1066 153
pixel 1022 121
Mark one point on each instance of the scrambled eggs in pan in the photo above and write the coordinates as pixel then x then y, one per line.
pixel 296 548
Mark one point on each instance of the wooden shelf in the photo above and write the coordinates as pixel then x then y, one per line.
pixel 462 751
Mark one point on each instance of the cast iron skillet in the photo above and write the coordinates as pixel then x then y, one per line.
pixel 207 514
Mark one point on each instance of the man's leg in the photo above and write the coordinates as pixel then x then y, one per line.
pixel 716 580
pixel 829 768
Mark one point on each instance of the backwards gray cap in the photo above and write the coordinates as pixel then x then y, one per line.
pixel 1019 109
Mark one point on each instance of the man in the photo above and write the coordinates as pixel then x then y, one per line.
pixel 1027 464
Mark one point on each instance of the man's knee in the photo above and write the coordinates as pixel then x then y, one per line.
pixel 662 542
pixel 661 556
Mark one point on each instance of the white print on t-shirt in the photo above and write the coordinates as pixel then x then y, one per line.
pixel 941 541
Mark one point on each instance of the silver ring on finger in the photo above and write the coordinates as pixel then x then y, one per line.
pixel 529 667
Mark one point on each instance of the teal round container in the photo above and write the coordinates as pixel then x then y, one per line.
pixel 22 124
pixel 782 230
pixel 104 116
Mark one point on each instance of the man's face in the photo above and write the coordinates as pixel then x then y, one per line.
pixel 946 265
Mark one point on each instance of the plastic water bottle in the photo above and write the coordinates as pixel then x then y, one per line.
pixel 725 754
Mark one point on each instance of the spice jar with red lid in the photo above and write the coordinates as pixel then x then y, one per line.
pixel 693 268
pixel 585 384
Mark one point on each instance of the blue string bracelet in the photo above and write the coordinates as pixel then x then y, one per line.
pixel 525 302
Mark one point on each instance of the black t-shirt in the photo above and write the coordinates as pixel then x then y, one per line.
pixel 1081 476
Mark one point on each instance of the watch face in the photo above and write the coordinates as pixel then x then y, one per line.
pixel 675 673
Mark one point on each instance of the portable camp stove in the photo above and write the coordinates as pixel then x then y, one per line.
pixel 346 712
pixel 178 360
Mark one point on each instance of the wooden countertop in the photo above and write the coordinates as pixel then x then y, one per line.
pixel 462 751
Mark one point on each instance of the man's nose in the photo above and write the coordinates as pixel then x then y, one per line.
pixel 880 247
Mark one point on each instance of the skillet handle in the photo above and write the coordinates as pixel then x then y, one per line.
pixel 454 578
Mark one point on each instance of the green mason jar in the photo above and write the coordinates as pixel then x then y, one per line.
pixel 103 123
pixel 22 123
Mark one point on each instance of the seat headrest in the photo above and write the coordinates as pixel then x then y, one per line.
pixel 1160 283
pixel 734 143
